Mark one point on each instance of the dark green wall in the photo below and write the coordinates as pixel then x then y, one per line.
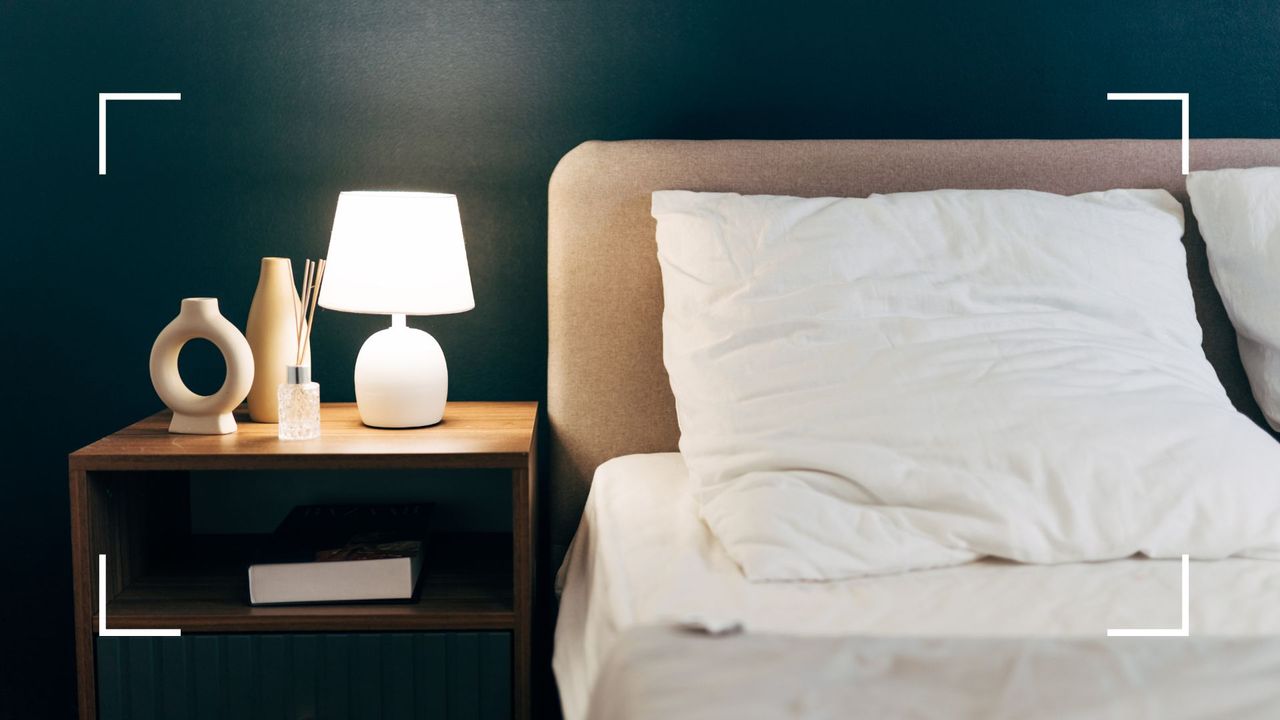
pixel 285 103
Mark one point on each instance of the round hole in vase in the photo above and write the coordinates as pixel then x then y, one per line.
pixel 203 367
pixel 201 414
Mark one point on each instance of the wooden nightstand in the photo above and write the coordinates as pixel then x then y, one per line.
pixel 441 656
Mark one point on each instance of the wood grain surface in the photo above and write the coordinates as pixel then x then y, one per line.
pixel 471 435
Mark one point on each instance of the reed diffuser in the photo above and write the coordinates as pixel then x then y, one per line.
pixel 298 397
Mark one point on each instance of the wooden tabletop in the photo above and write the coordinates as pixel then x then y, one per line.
pixel 472 435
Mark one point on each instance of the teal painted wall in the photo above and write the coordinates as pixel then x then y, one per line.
pixel 287 102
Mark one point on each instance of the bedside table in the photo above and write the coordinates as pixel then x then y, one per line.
pixel 461 650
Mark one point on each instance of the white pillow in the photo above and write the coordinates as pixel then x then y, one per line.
pixel 921 379
pixel 1239 216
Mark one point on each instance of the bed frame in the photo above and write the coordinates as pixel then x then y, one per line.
pixel 607 389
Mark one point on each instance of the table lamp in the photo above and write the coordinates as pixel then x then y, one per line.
pixel 398 254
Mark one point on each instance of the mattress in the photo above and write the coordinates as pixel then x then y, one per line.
pixel 642 557
pixel 659 673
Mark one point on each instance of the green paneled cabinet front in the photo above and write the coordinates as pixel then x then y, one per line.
pixel 376 676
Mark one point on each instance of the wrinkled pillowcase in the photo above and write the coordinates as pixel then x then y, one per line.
pixel 922 379
pixel 1239 216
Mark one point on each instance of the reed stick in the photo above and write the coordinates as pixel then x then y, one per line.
pixel 315 296
pixel 297 328
pixel 306 290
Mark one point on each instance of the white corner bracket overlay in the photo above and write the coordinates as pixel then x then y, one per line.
pixel 1183 631
pixel 102 117
pixel 102 611
pixel 1185 99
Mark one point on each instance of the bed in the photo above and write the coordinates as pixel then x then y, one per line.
pixel 651 604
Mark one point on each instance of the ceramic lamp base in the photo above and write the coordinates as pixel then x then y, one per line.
pixel 401 378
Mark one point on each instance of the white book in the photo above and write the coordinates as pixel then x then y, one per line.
pixel 385 578
pixel 336 580
pixel 342 553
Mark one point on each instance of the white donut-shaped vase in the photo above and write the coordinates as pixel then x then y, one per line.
pixel 201 414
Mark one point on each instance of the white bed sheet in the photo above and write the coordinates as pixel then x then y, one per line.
pixel 659 673
pixel 643 557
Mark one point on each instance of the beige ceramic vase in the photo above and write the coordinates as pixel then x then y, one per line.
pixel 201 414
pixel 272 333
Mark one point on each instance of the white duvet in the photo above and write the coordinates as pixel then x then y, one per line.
pixel 917 380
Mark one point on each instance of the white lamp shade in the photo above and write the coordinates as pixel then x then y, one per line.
pixel 397 253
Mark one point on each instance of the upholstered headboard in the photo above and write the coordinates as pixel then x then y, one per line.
pixel 607 391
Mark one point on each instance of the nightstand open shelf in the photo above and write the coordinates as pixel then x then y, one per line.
pixel 465 584
pixel 130 500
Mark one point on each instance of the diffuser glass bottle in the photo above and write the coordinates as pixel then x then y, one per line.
pixel 299 405
pixel 297 398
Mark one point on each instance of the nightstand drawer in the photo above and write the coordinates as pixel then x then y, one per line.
pixel 292 676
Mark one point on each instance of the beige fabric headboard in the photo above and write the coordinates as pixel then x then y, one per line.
pixel 607 391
